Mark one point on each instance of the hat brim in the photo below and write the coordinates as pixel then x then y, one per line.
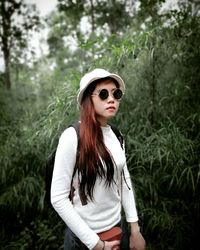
pixel 114 76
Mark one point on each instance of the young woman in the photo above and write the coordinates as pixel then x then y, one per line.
pixel 99 187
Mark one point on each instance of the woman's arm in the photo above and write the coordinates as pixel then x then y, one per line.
pixel 128 198
pixel 137 241
pixel 60 188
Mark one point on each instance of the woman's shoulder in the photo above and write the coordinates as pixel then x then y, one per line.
pixel 69 134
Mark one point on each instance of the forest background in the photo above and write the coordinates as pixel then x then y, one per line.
pixel 157 53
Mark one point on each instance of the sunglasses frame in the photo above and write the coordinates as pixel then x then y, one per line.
pixel 108 93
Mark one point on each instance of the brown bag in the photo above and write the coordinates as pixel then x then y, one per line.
pixel 114 233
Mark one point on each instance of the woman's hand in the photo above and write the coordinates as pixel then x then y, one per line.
pixel 112 245
pixel 137 241
pixel 107 245
pixel 99 245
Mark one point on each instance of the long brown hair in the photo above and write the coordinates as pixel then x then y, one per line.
pixel 94 160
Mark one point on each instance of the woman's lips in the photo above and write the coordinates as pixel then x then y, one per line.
pixel 111 108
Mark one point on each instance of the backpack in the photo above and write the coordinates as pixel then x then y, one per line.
pixel 51 158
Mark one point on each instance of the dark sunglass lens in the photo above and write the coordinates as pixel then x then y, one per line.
pixel 103 94
pixel 117 94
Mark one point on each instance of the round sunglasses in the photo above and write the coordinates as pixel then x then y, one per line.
pixel 104 94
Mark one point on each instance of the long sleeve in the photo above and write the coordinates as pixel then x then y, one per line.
pixel 128 198
pixel 60 188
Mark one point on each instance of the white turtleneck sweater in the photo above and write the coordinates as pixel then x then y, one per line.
pixel 104 211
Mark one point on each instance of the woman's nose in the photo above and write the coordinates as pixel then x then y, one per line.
pixel 111 98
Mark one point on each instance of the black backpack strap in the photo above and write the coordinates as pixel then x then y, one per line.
pixel 118 135
pixel 121 140
pixel 76 126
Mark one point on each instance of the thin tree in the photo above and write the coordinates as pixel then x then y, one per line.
pixel 14 33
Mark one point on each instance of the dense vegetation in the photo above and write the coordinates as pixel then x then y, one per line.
pixel 158 55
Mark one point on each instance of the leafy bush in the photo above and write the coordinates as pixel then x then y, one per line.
pixel 40 234
pixel 159 117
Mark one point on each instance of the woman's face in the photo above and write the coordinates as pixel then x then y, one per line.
pixel 107 108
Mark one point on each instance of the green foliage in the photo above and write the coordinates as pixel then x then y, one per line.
pixel 27 142
pixel 39 234
pixel 111 14
pixel 159 117
pixel 163 165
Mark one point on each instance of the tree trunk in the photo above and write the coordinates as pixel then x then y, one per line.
pixel 152 89
pixel 6 20
pixel 92 16
pixel 7 73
